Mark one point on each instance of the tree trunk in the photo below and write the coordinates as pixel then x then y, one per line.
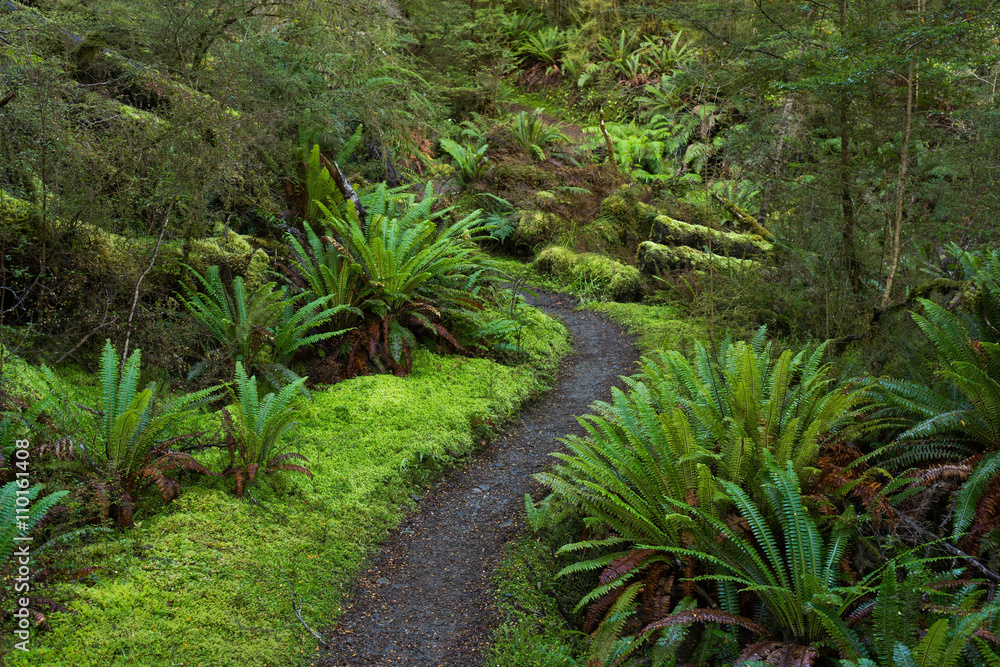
pixel 847 201
pixel 900 188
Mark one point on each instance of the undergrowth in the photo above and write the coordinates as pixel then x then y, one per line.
pixel 210 579
pixel 660 327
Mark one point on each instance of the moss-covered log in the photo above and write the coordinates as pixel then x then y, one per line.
pixel 655 259
pixel 669 232
pixel 741 217
pixel 619 281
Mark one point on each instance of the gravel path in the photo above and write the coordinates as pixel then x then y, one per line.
pixel 425 601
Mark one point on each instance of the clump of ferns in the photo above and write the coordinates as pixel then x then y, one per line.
pixel 950 431
pixel 413 272
pixel 133 444
pixel 254 426
pixel 686 432
pixel 780 580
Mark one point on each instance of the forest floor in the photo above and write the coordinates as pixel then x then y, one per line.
pixel 426 600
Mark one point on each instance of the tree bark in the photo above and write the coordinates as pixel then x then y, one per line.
pixel 847 201
pixel 900 188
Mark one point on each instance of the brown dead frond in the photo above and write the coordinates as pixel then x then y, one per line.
pixel 776 653
pixel 630 561
pixel 706 616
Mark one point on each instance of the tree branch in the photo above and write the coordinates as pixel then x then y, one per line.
pixel 297 609
pixel 138 283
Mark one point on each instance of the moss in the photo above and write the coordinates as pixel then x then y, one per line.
pixel 535 227
pixel 667 231
pixel 206 581
pixel 623 207
pixel 532 630
pixel 607 230
pixel 662 327
pixel 555 260
pixel 655 259
pixel 621 281
pixel 16 219
pixel 741 217
pixel 508 176
pixel 592 272
pixel 257 269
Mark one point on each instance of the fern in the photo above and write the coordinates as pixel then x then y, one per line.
pixel 408 269
pixel 256 425
pixel 472 163
pixel 533 135
pixel 14 523
pixel 133 433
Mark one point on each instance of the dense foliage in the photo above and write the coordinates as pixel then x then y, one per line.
pixel 273 200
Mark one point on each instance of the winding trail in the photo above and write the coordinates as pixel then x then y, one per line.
pixel 425 601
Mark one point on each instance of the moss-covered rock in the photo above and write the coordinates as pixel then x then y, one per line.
pixel 555 260
pixel 534 227
pixel 620 282
pixel 670 232
pixel 623 207
pixel 624 218
pixel 655 259
pixel 607 231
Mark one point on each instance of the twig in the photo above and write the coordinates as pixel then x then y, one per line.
pixel 953 550
pixel 135 294
pixel 298 615
pixel 265 507
pixel 104 323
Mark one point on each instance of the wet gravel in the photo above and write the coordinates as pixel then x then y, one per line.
pixel 425 601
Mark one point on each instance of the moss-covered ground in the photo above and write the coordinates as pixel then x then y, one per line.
pixel 659 327
pixel 209 579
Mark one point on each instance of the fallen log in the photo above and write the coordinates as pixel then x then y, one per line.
pixel 656 260
pixel 670 232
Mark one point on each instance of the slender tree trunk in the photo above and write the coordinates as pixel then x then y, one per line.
pixel 900 187
pixel 765 199
pixel 847 201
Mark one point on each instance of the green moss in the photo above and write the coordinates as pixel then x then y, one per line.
pixel 621 281
pixel 257 269
pixel 605 275
pixel 555 260
pixel 623 207
pixel 532 631
pixel 655 259
pixel 16 218
pixel 658 327
pixel 667 231
pixel 509 176
pixel 206 581
pixel 534 227
pixel 607 230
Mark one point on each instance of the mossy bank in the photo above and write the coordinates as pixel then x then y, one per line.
pixel 210 579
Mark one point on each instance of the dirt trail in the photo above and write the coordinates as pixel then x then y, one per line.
pixel 425 602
